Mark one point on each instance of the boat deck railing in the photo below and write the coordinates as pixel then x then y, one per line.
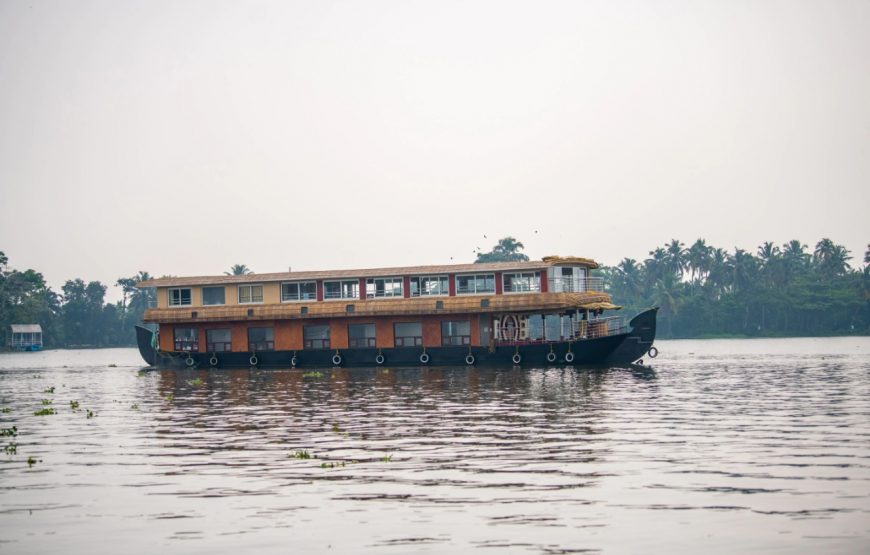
pixel 556 285
pixel 582 331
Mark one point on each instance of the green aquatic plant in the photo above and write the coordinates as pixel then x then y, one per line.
pixel 135 406
pixel 11 449
pixel 113 365
pixel 74 405
pixel 335 464
pixel 31 461
pixel 335 428
pixel 313 374
pixel 44 412
pixel 5 410
pixel 46 401
pixel 170 397
pixel 91 413
pixel 388 457
pixel 48 390
pixel 196 382
pixel 303 454
pixel 9 432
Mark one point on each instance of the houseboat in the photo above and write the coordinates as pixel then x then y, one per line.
pixel 529 313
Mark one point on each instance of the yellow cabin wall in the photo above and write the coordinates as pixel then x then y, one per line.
pixel 271 295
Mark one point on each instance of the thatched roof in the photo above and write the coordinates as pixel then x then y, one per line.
pixel 467 304
pixel 490 267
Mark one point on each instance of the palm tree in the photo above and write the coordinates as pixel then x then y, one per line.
pixel 507 250
pixel 238 270
pixel 831 259
pixel 744 268
pixel 698 259
pixel 631 276
pixel 664 298
pixel 676 257
pixel 719 277
pixel 769 256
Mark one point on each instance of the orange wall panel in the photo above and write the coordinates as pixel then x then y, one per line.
pixel 431 331
pixel 167 337
pixel 288 335
pixel 384 333
pixel 338 333
pixel 475 329
pixel 239 333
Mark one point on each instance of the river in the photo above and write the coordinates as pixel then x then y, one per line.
pixel 720 446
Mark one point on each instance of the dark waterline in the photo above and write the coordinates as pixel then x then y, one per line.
pixel 722 446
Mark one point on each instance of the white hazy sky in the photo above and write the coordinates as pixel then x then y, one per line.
pixel 183 137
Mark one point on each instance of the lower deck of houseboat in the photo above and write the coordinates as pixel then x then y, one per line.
pixel 577 337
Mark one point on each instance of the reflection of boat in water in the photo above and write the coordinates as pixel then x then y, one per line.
pixel 523 313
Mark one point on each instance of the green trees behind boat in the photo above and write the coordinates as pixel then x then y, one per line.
pixel 77 316
pixel 786 290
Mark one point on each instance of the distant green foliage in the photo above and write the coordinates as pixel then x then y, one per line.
pixel 507 250
pixel 77 317
pixel 787 291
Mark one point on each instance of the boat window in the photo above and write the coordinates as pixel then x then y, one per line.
pixel 525 282
pixel 456 333
pixel 299 291
pixel 361 335
pixel 218 341
pixel 430 285
pixel 186 339
pixel 213 295
pixel 250 294
pixel 408 334
pixel 260 339
pixel 345 289
pixel 475 284
pixel 315 337
pixel 383 287
pixel 179 296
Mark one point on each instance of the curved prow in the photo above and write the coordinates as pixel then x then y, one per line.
pixel 639 340
pixel 146 340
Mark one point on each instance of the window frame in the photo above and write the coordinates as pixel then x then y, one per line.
pixel 465 340
pixel 532 289
pixel 400 341
pixel 269 343
pixel 367 342
pixel 474 278
pixel 341 283
pixel 308 344
pixel 250 286
pixel 193 343
pixel 202 294
pixel 180 304
pixel 439 278
pixel 392 280
pixel 299 298
pixel 226 346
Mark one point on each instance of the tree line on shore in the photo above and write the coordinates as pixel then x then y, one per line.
pixel 77 316
pixel 785 290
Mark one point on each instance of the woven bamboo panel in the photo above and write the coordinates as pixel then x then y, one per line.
pixel 534 302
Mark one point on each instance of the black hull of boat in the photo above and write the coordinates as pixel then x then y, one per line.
pixel 617 350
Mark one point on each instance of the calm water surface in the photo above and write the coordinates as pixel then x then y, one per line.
pixel 756 446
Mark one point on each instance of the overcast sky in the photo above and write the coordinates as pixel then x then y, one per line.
pixel 183 137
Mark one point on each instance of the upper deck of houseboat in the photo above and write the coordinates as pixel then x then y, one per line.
pixel 551 284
